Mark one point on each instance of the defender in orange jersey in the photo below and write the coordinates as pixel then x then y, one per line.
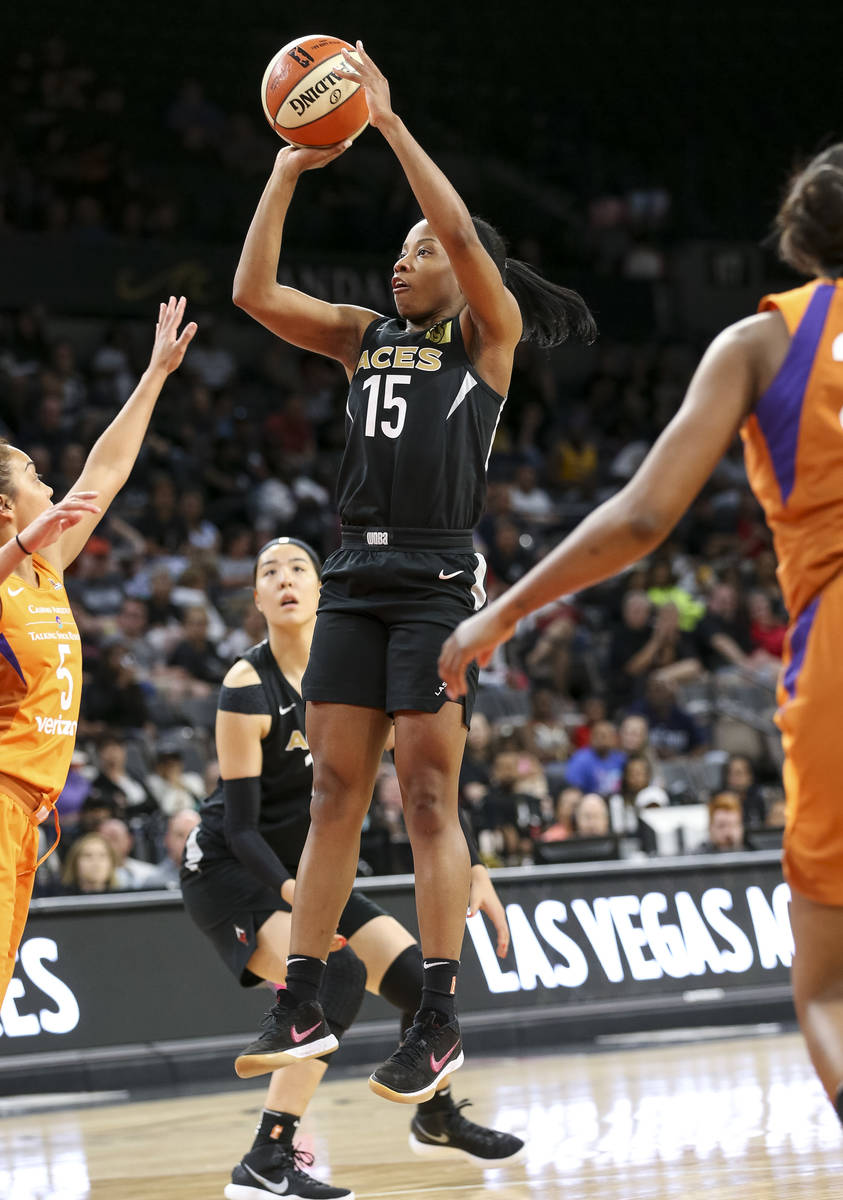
pixel 778 377
pixel 40 657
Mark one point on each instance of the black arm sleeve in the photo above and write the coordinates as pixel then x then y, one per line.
pixel 242 801
pixel 473 852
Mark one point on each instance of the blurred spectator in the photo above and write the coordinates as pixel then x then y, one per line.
pixel 166 873
pixel 776 813
pixel 766 630
pixel 89 867
pixel 623 809
pixel 529 501
pixel 563 823
pixel 76 788
pixel 725 825
pixel 591 816
pixel 739 779
pixel 172 786
pixel 722 636
pixel 673 731
pixel 130 873
pixel 597 768
pixel 196 655
pixel 115 697
pixel 113 780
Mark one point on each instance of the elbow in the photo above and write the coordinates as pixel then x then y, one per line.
pixel 240 296
pixel 647 527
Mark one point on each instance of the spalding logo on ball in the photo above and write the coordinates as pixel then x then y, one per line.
pixel 305 102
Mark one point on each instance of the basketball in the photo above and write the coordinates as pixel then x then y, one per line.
pixel 304 101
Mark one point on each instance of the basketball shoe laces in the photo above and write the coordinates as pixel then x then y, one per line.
pixel 293 1159
pixel 412 1052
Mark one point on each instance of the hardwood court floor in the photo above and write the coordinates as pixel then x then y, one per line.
pixel 740 1118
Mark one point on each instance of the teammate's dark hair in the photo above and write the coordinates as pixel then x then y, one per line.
pixel 550 313
pixel 290 541
pixel 810 220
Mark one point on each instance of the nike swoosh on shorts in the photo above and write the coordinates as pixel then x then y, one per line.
pixel 450 574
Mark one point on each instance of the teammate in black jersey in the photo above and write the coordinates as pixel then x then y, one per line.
pixel 238 881
pixel 426 392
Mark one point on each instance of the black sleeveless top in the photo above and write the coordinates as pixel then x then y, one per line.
pixel 419 431
pixel 286 776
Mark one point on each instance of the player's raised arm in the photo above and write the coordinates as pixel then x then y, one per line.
pixel 113 455
pixel 492 307
pixel 334 330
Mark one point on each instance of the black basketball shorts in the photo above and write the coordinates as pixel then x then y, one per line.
pixel 229 905
pixel 384 612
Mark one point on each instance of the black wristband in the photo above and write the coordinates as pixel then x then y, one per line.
pixel 21 545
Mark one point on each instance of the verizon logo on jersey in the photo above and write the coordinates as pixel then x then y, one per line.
pixel 59 725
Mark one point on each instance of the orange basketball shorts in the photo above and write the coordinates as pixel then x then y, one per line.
pixel 18 858
pixel 810 717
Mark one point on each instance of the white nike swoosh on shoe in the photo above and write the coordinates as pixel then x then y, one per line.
pixel 277 1189
pixel 15 591
pixel 435 1137
pixel 284 711
pixel 450 574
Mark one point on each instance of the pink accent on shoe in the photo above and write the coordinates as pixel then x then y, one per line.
pixel 299 1037
pixel 436 1067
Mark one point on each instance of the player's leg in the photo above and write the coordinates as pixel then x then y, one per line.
pixel 429 742
pixel 18 856
pixel 273 1165
pixel 428 752
pixel 438 1128
pixel 818 988
pixel 350 741
pixel 809 699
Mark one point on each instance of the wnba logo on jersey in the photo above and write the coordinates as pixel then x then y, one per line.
pixel 440 333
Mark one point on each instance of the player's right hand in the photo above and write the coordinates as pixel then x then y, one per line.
pixel 308 158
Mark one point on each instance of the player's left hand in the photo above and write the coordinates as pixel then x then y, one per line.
pixel 483 897
pixel 476 637
pixel 362 70
pixel 169 346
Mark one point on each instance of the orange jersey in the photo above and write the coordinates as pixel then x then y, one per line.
pixel 793 443
pixel 40 680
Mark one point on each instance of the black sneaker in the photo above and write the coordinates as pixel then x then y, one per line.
pixel 290 1034
pixel 274 1170
pixel 449 1134
pixel 428 1053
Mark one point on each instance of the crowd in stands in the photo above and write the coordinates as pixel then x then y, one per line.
pixel 606 706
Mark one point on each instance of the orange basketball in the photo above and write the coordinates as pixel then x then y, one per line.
pixel 304 101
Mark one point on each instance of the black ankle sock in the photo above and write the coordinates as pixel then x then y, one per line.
pixel 304 977
pixel 441 1101
pixel 838 1104
pixel 275 1127
pixel 439 985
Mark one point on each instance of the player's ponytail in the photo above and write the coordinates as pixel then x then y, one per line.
pixel 810 221
pixel 551 314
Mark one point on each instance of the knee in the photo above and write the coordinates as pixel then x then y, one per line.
pixel 333 798
pixel 429 807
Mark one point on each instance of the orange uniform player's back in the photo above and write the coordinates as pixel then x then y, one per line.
pixel 793 443
pixel 40 681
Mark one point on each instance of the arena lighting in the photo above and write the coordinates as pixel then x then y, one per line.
pixel 626 937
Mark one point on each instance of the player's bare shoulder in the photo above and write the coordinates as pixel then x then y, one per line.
pixel 242 674
pixel 764 339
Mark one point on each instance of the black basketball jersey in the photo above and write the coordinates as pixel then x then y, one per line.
pixel 419 430
pixel 286 774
